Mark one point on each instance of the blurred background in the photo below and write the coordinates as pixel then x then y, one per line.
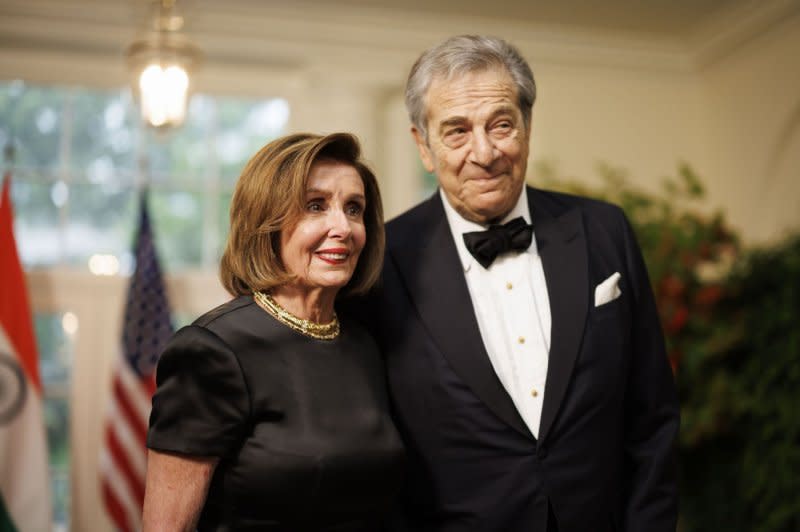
pixel 686 112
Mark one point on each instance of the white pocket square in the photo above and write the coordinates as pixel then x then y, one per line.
pixel 608 290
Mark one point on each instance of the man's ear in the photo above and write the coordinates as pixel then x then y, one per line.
pixel 424 151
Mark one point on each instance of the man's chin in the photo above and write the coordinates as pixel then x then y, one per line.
pixel 484 215
pixel 494 210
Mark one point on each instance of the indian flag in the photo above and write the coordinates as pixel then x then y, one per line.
pixel 24 479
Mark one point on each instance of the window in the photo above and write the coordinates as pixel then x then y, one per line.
pixel 54 335
pixel 81 157
pixel 80 160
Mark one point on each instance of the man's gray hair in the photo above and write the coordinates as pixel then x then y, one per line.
pixel 461 55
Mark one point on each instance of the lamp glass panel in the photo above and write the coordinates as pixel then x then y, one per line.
pixel 163 92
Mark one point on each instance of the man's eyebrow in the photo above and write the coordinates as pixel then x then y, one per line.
pixel 503 109
pixel 459 120
pixel 452 121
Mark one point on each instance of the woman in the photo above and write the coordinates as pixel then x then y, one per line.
pixel 270 413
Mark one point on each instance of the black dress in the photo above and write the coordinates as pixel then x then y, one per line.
pixel 301 426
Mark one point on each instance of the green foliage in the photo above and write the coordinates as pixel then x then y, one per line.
pixel 731 319
pixel 755 414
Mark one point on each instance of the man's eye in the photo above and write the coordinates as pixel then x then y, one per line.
pixel 455 132
pixel 455 137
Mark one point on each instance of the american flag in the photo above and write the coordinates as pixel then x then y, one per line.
pixel 146 329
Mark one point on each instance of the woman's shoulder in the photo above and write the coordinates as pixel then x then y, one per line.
pixel 230 310
pixel 226 318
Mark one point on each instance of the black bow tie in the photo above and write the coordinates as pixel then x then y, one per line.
pixel 485 246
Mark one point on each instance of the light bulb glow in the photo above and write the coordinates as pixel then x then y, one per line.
pixel 104 264
pixel 69 322
pixel 163 92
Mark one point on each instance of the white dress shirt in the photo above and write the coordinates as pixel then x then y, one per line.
pixel 513 312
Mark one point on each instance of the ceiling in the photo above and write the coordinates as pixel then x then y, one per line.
pixel 669 18
pixel 375 41
pixel 664 19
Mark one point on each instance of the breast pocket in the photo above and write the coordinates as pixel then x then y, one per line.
pixel 607 310
pixel 602 354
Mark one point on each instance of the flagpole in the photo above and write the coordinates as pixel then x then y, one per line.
pixel 8 157
pixel 9 151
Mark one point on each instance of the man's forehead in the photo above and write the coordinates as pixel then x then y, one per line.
pixel 482 88
pixel 452 80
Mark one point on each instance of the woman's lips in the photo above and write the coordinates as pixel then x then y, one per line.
pixel 333 255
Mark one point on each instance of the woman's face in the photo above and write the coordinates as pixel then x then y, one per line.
pixel 323 247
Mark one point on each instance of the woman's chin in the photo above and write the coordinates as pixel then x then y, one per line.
pixel 332 283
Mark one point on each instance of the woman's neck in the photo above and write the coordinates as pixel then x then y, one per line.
pixel 315 304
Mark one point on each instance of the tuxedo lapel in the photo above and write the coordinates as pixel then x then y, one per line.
pixel 428 262
pixel 562 247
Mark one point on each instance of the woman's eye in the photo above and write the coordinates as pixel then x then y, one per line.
pixel 354 209
pixel 314 206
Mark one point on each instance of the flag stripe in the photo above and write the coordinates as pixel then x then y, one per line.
pixel 132 477
pixel 145 331
pixel 137 393
pixel 129 441
pixel 126 513
pixel 15 314
pixel 114 507
pixel 127 414
pixel 119 492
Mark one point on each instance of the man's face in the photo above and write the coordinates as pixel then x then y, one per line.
pixel 477 143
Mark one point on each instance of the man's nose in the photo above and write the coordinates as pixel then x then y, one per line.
pixel 482 149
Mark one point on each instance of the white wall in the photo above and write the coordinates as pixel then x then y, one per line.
pixel 751 121
pixel 643 121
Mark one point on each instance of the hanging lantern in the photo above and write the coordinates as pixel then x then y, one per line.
pixel 161 63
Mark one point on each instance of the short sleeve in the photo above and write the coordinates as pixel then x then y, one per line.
pixel 201 402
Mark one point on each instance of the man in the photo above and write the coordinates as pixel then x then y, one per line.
pixel 526 364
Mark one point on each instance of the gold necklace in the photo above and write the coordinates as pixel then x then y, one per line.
pixel 319 331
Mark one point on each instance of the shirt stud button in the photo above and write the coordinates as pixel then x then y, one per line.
pixel 509 286
pixel 521 339
pixel 534 393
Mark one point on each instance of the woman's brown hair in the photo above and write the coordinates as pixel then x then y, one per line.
pixel 270 197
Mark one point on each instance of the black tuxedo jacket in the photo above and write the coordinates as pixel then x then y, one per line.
pixel 604 457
